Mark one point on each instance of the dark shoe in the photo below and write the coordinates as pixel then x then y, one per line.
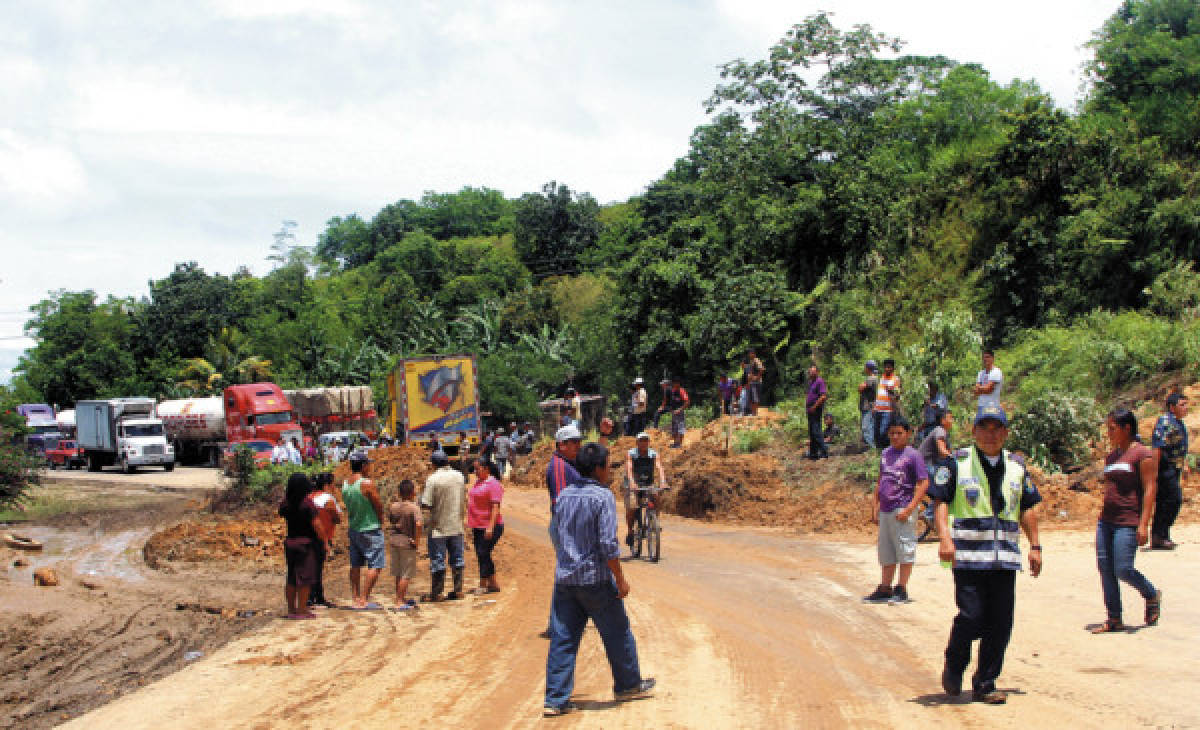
pixel 899 595
pixel 645 688
pixel 454 596
pixel 629 540
pixel 951 681
pixel 1162 545
pixel 990 697
pixel 458 582
pixel 882 594
pixel 545 634
pixel 552 711
pixel 1154 609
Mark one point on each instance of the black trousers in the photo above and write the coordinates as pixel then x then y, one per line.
pixel 317 594
pixel 1167 502
pixel 816 434
pixel 985 601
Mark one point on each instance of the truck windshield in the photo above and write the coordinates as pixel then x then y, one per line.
pixel 270 419
pixel 45 429
pixel 149 429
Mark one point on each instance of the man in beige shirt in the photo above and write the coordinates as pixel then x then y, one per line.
pixel 445 503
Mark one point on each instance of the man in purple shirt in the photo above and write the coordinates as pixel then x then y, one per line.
pixel 815 403
pixel 589 583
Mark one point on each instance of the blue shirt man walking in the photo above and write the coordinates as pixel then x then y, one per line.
pixel 589 583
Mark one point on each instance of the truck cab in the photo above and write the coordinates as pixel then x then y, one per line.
pixel 42 427
pixel 259 411
pixel 143 442
pixel 122 431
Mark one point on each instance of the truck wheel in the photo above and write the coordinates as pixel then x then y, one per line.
pixel 169 467
pixel 93 463
pixel 126 466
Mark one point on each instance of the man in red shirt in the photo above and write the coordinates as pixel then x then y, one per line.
pixel 677 402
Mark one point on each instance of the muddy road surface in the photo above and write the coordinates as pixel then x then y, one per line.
pixel 742 628
pixel 112 624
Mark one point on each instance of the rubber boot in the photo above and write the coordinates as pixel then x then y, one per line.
pixel 436 584
pixel 457 593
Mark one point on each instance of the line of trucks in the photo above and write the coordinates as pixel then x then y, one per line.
pixel 138 432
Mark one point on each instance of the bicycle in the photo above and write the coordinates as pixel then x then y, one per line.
pixel 645 524
pixel 926 523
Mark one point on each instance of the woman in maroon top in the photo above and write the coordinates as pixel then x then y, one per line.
pixel 1129 485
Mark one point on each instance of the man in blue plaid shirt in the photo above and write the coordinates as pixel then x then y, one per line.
pixel 589 583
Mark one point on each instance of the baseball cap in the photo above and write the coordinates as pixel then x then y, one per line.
pixel 643 435
pixel 568 433
pixel 360 456
pixel 439 457
pixel 638 380
pixel 872 364
pixel 992 412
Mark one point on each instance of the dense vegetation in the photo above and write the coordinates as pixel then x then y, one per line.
pixel 894 204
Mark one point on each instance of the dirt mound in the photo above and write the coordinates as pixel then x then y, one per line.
pixel 240 540
pixel 392 464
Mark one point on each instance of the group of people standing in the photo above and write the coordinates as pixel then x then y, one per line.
pixel 446 510
pixel 983 498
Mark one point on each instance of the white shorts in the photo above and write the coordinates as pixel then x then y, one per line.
pixel 897 540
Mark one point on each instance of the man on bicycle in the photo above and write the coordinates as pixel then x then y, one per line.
pixel 640 466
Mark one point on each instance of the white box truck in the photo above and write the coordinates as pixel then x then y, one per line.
pixel 122 431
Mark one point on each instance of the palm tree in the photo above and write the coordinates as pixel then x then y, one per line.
pixel 225 362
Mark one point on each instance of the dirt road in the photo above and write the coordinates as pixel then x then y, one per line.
pixel 741 627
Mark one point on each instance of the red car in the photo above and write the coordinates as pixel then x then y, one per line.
pixel 67 454
pixel 262 453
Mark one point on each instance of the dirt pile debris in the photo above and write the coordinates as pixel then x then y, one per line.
pixel 392 464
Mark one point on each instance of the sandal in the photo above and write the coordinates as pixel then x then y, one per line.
pixel 1154 609
pixel 1109 626
pixel 430 598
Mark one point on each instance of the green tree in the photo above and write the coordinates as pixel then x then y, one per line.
pixel 553 228
pixel 227 361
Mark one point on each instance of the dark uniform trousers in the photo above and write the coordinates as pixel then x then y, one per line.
pixel 985 601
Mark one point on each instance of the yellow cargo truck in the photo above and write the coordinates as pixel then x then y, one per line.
pixel 435 397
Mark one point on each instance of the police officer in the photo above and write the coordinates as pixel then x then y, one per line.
pixel 983 493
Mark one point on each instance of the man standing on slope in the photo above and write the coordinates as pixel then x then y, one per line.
pixel 989 382
pixel 1170 443
pixel 983 494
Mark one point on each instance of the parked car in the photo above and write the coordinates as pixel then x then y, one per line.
pixel 67 454
pixel 358 437
pixel 262 453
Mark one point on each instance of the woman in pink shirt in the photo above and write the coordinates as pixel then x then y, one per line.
pixel 483 517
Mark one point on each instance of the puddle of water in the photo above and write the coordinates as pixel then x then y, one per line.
pixel 90 552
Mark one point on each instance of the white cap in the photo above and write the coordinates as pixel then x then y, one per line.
pixel 568 433
pixel 638 380
pixel 643 435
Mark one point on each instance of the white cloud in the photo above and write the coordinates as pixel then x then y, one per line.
pixel 38 174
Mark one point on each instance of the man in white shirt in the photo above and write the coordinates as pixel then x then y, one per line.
pixel 989 383
pixel 279 454
pixel 638 403
pixel 293 452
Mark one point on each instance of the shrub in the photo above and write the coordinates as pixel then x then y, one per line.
pixel 1055 429
pixel 745 442
pixel 19 470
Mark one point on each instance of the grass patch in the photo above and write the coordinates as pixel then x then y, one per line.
pixel 745 442
pixel 50 501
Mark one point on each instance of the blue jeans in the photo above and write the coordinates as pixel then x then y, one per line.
pixel 868 428
pixel 439 546
pixel 570 610
pixel 1116 547
pixel 882 420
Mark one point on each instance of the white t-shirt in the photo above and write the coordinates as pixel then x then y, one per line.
pixel 992 376
pixel 279 454
pixel 639 400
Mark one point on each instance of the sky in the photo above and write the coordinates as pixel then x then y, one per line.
pixel 136 135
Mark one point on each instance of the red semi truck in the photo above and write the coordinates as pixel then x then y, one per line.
pixel 200 428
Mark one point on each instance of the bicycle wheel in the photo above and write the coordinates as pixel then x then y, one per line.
pixel 924 520
pixel 639 533
pixel 653 537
